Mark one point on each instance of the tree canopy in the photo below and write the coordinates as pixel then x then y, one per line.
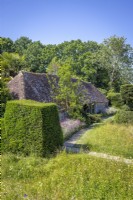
pixel 107 65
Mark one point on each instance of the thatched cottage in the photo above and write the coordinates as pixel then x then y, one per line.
pixel 35 86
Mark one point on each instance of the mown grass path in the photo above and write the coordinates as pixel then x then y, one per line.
pixel 71 145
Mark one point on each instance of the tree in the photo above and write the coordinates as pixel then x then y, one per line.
pixel 89 67
pixel 6 45
pixel 127 95
pixel 33 56
pixel 5 95
pixel 53 66
pixel 21 45
pixel 68 92
pixel 117 58
pixel 48 54
pixel 11 64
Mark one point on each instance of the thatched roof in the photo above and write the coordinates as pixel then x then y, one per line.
pixel 35 86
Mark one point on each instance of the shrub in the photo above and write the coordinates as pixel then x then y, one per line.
pixel 110 111
pixel 93 118
pixel 124 116
pixel 115 99
pixel 125 107
pixel 127 95
pixel 5 95
pixel 2 125
pixel 31 128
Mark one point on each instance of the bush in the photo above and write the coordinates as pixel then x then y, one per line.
pixel 5 95
pixel 110 111
pixel 31 128
pixel 125 107
pixel 127 95
pixel 93 118
pixel 115 99
pixel 124 116
pixel 2 125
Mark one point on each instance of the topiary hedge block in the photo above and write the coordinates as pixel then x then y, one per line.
pixel 31 128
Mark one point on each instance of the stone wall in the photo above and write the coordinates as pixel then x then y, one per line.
pixel 100 107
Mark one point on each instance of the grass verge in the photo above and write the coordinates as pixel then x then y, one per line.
pixel 66 177
pixel 114 139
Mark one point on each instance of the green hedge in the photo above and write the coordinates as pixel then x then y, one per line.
pixel 31 128
pixel 124 116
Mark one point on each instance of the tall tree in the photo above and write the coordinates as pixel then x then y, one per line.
pixel 127 95
pixel 53 66
pixel 48 53
pixel 33 56
pixel 11 63
pixel 6 45
pixel 117 59
pixel 69 93
pixel 22 44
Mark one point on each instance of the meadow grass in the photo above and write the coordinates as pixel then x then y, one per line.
pixel 114 139
pixel 65 177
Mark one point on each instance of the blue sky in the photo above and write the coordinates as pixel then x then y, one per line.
pixel 56 21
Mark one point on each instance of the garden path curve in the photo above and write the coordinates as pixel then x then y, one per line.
pixel 71 146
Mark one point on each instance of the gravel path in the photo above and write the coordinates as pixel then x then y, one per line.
pixel 71 146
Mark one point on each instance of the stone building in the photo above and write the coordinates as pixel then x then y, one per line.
pixel 36 86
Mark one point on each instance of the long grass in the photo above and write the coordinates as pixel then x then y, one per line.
pixel 66 177
pixel 110 138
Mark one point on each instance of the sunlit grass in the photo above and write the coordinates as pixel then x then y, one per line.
pixel 66 177
pixel 110 138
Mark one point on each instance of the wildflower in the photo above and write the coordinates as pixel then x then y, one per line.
pixel 25 195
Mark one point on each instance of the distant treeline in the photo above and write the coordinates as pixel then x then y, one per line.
pixel 107 65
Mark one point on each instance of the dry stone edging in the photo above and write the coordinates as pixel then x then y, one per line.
pixel 110 157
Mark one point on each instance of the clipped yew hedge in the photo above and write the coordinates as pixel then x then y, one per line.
pixel 31 128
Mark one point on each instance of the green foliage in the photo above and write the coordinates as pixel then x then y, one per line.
pixel 127 95
pixel 79 177
pixel 125 107
pixel 33 56
pixel 22 44
pixel 53 67
pixel 116 57
pixel 113 139
pixel 2 126
pixel 107 65
pixel 115 98
pixel 93 118
pixel 11 63
pixel 103 91
pixel 5 95
pixel 68 94
pixel 124 116
pixel 31 127
pixel 6 45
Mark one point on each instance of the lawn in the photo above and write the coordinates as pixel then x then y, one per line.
pixel 65 177
pixel 114 139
